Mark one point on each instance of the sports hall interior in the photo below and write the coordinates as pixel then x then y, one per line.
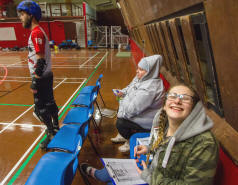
pixel 197 40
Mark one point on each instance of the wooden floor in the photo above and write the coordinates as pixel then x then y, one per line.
pixel 20 132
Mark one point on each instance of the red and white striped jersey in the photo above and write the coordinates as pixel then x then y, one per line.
pixel 38 43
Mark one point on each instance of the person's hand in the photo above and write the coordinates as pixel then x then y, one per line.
pixel 139 150
pixel 120 94
pixel 37 76
pixel 34 91
pixel 144 167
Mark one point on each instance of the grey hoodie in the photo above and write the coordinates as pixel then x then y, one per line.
pixel 196 123
pixel 143 97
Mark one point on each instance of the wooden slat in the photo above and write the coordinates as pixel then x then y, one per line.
pixel 150 38
pixel 193 55
pixel 180 50
pixel 171 52
pixel 165 62
pixel 156 38
pixel 164 46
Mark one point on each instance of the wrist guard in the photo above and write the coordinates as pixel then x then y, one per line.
pixel 40 66
pixel 34 83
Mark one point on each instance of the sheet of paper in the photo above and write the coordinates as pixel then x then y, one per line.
pixel 123 171
pixel 143 141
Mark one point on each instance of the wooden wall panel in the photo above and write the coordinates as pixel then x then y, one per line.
pixel 125 15
pixel 132 12
pixel 148 49
pixel 180 50
pixel 163 46
pixel 148 10
pixel 153 38
pixel 165 62
pixel 171 53
pixel 192 55
pixel 222 18
pixel 147 27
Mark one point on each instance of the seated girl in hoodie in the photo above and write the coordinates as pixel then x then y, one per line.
pixel 184 150
pixel 140 101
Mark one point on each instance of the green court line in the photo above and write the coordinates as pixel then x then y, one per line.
pixel 16 175
pixel 26 162
pixel 22 105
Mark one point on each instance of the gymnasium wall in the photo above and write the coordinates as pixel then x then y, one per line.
pixel 54 31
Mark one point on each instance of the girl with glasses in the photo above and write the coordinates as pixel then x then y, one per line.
pixel 183 148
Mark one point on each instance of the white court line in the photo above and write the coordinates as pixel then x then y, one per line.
pixel 31 77
pixel 70 57
pixel 13 64
pixel 101 60
pixel 66 65
pixel 62 67
pixel 83 64
pixel 73 94
pixel 26 81
pixel 10 124
pixel 35 142
pixel 25 125
pixel 22 158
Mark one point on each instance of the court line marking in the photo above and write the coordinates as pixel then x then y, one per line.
pixel 53 57
pixel 1 131
pixel 31 77
pixel 24 155
pixel 84 84
pixel 62 65
pixel 30 148
pixel 83 64
pixel 13 64
pixel 59 67
pixel 23 105
pixel 36 148
pixel 31 81
pixel 24 125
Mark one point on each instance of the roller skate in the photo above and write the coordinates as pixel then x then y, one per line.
pixel 44 143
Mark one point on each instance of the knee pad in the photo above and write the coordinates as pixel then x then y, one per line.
pixel 46 118
pixel 52 107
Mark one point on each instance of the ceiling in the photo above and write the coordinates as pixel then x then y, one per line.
pixel 99 5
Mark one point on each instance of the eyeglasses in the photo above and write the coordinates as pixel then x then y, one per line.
pixel 183 97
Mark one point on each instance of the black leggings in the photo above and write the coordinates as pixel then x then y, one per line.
pixel 127 128
pixel 45 103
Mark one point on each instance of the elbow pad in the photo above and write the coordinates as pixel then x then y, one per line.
pixel 40 66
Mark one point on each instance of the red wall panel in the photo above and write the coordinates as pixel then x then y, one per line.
pixel 54 31
pixel 57 31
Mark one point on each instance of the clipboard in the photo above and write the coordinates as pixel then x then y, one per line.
pixel 122 171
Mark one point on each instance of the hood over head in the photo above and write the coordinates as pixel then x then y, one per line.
pixel 152 65
pixel 197 122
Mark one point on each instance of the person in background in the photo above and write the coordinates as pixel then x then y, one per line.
pixel 139 101
pixel 39 62
pixel 184 150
